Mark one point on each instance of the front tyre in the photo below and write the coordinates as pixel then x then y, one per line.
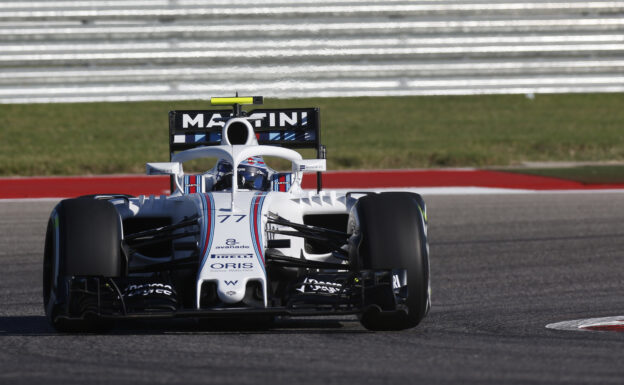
pixel 83 239
pixel 389 233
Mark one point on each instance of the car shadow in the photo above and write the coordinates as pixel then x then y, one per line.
pixel 39 326
pixel 25 326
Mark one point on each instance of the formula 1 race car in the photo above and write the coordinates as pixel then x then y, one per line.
pixel 240 241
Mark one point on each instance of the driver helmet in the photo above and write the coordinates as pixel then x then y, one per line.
pixel 253 174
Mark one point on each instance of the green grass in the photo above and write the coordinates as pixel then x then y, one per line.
pixel 369 133
pixel 585 174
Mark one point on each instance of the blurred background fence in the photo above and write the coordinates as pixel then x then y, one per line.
pixel 74 51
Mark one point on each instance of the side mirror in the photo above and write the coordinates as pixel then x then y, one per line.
pixel 164 168
pixel 309 165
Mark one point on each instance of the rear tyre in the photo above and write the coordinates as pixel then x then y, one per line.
pixel 83 239
pixel 390 233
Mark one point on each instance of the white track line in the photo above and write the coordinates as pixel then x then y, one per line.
pixel 581 324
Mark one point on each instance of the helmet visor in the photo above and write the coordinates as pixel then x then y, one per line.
pixel 253 178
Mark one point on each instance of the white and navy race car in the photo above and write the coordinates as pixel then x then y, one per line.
pixel 240 241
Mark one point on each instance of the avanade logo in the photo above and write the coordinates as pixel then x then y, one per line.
pixel 232 243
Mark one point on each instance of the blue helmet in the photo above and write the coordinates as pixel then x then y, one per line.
pixel 253 174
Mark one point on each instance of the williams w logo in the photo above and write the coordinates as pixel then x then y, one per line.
pixel 231 283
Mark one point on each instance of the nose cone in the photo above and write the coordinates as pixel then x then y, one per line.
pixel 231 291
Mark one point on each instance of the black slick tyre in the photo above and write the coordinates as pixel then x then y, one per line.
pixel 390 233
pixel 83 239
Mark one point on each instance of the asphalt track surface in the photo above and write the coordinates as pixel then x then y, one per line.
pixel 503 266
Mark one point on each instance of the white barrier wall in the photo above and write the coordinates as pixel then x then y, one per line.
pixel 115 50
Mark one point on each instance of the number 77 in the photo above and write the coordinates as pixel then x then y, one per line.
pixel 227 217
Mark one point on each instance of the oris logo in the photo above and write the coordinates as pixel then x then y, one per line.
pixel 232 266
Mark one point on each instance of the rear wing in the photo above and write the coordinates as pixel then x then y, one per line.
pixel 285 127
pixel 294 128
